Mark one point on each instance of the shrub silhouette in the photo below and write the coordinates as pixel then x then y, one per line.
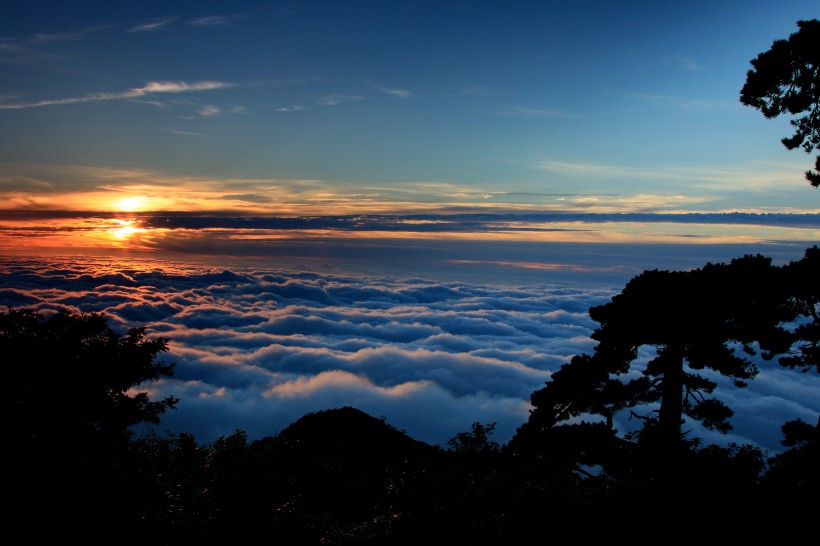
pixel 68 410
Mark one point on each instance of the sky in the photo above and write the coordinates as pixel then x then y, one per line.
pixel 407 205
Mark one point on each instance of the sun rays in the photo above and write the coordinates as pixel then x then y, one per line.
pixel 126 229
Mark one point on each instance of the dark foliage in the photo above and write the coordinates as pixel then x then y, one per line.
pixel 302 488
pixel 68 377
pixel 67 413
pixel 712 318
pixel 794 475
pixel 785 80
pixel 803 299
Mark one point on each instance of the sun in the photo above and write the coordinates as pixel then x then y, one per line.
pixel 126 229
pixel 130 204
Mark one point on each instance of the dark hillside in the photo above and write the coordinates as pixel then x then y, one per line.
pixel 351 432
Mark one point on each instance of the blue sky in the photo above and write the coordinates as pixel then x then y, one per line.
pixel 327 107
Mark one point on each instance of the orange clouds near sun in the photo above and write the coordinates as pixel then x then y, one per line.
pixel 128 229
pixel 73 235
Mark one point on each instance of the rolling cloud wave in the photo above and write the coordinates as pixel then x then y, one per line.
pixel 256 348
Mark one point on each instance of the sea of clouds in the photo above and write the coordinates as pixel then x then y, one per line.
pixel 256 348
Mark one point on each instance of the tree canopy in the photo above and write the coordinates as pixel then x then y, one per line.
pixel 70 377
pixel 70 399
pixel 662 344
pixel 786 80
pixel 654 340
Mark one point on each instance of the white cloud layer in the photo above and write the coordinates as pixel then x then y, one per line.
pixel 257 348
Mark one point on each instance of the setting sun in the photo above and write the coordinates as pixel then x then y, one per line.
pixel 130 204
pixel 127 230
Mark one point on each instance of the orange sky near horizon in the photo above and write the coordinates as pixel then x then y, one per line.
pixel 127 233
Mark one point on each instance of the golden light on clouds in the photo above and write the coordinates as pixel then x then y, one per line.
pixel 126 229
pixel 72 235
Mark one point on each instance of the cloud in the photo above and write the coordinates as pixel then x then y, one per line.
pixel 149 88
pixel 177 87
pixel 185 133
pixel 210 110
pixel 257 347
pixel 273 339
pixel 762 176
pixel 523 112
pixel 15 53
pixel 153 26
pixel 410 200
pixel 210 21
pixel 686 63
pixel 401 93
pixel 57 37
pixel 674 101
pixel 333 100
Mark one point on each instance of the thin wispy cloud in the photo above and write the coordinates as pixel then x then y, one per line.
pixel 179 87
pixel 329 197
pixel 596 169
pixel 46 38
pixel 153 25
pixel 149 88
pixel 333 100
pixel 715 177
pixel 211 21
pixel 57 37
pixel 634 203
pixel 15 53
pixel 524 112
pixel 401 93
pixel 687 63
pixel 185 133
pixel 471 90
pixel 673 101
pixel 205 21
pixel 210 110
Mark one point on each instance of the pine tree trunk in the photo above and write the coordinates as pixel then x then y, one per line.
pixel 671 410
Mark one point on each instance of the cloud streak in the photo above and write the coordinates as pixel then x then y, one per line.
pixel 662 190
pixel 150 88
pixel 395 92
pixel 153 26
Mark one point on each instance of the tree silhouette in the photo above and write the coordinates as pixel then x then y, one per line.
pixel 70 376
pixel 68 406
pixel 655 340
pixel 802 300
pixel 786 80
pixel 477 440
pixel 795 473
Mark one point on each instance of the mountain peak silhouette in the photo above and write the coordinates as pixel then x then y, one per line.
pixel 350 431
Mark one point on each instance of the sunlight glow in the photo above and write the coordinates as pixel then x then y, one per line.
pixel 130 204
pixel 127 229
